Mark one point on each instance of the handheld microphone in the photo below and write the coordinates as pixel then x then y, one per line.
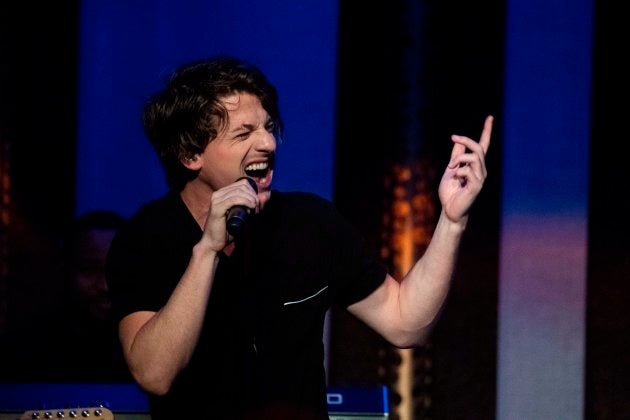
pixel 238 216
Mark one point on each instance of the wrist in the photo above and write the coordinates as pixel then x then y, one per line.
pixel 206 248
pixel 454 226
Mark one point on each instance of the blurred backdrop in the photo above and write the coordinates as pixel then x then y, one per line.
pixel 536 325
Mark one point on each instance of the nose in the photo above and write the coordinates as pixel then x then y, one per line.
pixel 266 142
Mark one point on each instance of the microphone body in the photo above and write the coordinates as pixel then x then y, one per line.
pixel 238 216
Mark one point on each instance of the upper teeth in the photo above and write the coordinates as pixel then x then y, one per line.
pixel 257 166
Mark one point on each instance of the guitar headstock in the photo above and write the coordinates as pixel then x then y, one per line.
pixel 101 413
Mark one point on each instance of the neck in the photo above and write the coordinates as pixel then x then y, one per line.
pixel 197 201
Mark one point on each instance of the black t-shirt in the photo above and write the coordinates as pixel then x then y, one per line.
pixel 260 354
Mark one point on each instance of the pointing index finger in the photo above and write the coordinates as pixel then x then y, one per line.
pixel 484 140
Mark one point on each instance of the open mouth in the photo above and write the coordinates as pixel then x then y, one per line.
pixel 259 169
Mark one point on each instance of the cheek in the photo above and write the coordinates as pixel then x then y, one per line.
pixel 219 154
pixel 222 164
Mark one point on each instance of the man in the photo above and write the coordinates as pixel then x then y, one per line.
pixel 87 346
pixel 232 326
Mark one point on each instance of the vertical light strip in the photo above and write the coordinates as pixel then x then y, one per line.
pixel 403 248
pixel 546 123
pixel 408 222
pixel 409 248
pixel 405 382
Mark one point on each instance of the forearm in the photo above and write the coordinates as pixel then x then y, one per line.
pixel 425 288
pixel 164 344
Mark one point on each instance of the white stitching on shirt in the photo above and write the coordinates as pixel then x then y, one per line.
pixel 306 298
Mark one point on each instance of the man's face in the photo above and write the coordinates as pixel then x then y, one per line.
pixel 245 147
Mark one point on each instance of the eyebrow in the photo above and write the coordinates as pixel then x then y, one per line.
pixel 247 127
pixel 250 127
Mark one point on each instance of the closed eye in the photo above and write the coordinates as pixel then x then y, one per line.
pixel 243 136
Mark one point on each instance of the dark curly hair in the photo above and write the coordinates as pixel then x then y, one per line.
pixel 183 118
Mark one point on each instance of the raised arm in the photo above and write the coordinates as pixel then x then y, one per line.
pixel 403 312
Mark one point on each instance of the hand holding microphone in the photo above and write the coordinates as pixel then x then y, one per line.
pixel 237 217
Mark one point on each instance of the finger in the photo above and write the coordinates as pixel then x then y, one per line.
pixel 474 163
pixel 246 191
pixel 248 181
pixel 484 140
pixel 469 144
pixel 458 150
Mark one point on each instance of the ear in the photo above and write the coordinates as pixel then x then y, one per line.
pixel 192 163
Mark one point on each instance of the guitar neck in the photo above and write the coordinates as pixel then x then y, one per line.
pixel 69 413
